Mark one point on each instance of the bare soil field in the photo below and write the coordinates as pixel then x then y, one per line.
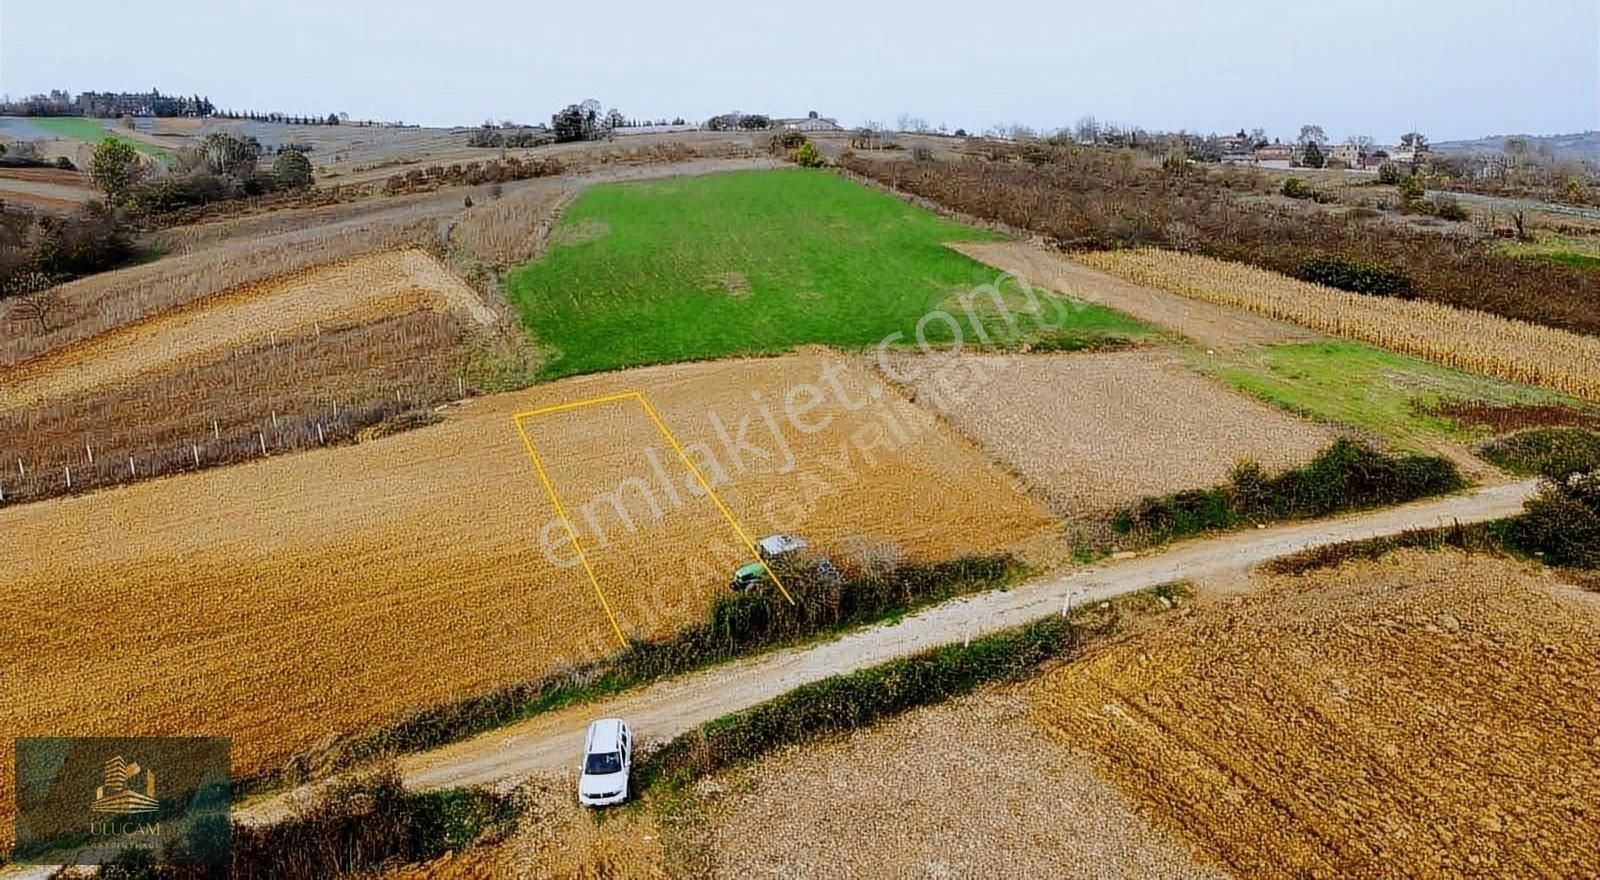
pixel 50 189
pixel 352 292
pixel 1092 432
pixel 971 788
pixel 1210 325
pixel 1422 715
pixel 346 570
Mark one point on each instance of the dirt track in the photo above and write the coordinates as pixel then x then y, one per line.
pixel 1210 325
pixel 661 711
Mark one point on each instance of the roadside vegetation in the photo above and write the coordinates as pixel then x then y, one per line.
pixel 758 263
pixel 1347 476
pixel 737 624
pixel 850 702
pixel 1089 198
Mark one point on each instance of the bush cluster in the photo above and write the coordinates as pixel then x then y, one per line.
pixel 1356 277
pixel 1561 525
pixel 1295 188
pixel 1346 476
pixel 1556 453
pixel 852 701
pixel 470 174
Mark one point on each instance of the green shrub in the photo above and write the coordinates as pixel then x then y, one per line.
pixel 1356 277
pixel 853 701
pixel 808 157
pixel 291 170
pixel 1345 476
pixel 1295 188
pixel 359 826
pixel 1389 173
pixel 1450 208
pixel 785 140
pixel 1561 524
pixel 1556 453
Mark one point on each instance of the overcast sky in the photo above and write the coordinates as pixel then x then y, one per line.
pixel 1453 68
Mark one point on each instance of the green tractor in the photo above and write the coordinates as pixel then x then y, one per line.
pixel 785 553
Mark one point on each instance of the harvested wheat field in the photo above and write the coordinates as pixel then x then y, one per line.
pixel 1422 715
pixel 348 569
pixel 971 788
pixel 1462 338
pixel 1092 432
pixel 352 292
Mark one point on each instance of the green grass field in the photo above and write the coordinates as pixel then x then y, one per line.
pixel 91 130
pixel 1579 252
pixel 1367 388
pixel 756 263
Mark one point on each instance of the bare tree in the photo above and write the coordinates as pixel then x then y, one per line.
pixel 1312 134
pixel 36 297
pixel 1088 130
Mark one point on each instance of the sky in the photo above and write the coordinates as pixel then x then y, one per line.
pixel 1451 68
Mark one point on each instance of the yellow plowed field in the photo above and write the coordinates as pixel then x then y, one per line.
pixel 1417 716
pixel 330 591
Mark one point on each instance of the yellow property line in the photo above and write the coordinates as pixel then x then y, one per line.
pixel 572 532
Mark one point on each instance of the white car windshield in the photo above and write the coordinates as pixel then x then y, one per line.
pixel 603 763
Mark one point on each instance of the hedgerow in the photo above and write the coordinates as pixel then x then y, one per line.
pixel 1345 476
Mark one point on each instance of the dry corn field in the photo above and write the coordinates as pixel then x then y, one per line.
pixel 1092 432
pixel 511 229
pixel 99 303
pixel 352 292
pixel 346 570
pixel 1468 340
pixel 1421 715
pixel 299 393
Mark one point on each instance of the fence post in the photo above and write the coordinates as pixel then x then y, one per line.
pixel 195 448
pixel 320 438
pixel 20 471
pixel 132 472
pixel 274 421
pixel 89 449
pixel 2 493
pixel 263 438
pixel 216 434
pixel 69 477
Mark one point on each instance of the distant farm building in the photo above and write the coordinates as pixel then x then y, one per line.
pixel 1275 155
pixel 813 122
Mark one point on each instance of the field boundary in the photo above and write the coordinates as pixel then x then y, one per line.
pixel 566 521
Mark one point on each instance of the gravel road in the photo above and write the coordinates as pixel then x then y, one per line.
pixel 668 708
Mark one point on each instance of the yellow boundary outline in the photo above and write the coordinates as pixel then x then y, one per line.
pixel 561 510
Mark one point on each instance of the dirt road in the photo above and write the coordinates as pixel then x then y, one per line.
pixel 666 709
pixel 1210 325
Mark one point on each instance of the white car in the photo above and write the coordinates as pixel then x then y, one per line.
pixel 607 759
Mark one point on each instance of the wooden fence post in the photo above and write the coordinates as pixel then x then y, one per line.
pixel 69 477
